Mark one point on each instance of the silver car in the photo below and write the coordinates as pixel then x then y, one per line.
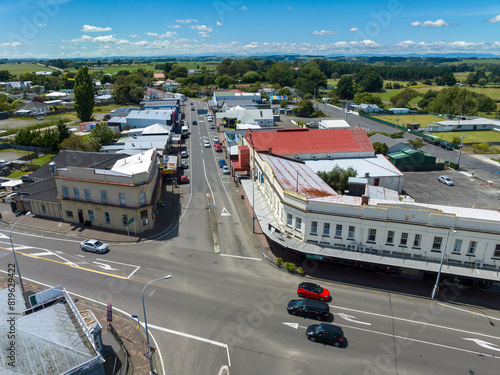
pixel 95 246
pixel 446 180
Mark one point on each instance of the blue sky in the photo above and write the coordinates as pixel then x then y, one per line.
pixel 106 28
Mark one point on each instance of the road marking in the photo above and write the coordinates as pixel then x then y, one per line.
pixel 225 212
pixel 187 335
pixel 238 256
pixel 485 344
pixel 105 266
pixel 467 311
pixel 206 178
pixel 351 318
pixel 417 322
pixel 293 325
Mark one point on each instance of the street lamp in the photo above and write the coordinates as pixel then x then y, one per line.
pixel 152 371
pixel 14 252
pixel 434 290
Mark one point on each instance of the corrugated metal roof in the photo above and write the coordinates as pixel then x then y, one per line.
pixel 377 166
pixel 309 141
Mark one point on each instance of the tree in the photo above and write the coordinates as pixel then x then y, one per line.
pixel 416 143
pixel 63 131
pixel 380 148
pixel 4 76
pixel 482 82
pixel 367 98
pixel 84 94
pixel 338 178
pixel 79 143
pixel 345 88
pixel 102 134
pixel 283 104
pixel 447 79
pixel 369 79
pixel 460 101
pixel 304 107
pixel 223 81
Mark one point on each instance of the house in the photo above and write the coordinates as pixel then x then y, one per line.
pixel 399 111
pixel 221 96
pixel 369 108
pixel 35 108
pixel 147 117
pixel 150 95
pixel 464 124
pixel 261 117
pixel 98 189
pixel 159 75
pixel 300 213
pixel 333 124
pixel 394 144
pixel 9 86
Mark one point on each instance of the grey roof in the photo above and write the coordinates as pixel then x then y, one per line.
pixel 42 191
pixel 376 166
pixel 150 114
pixel 77 159
pixel 390 142
pixel 32 105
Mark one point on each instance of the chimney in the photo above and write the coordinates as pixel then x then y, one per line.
pixel 367 174
pixel 364 199
pixel 52 168
pixel 270 150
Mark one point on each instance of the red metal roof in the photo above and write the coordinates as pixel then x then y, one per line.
pixel 309 141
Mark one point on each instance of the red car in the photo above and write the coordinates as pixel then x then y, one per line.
pixel 218 148
pixel 314 291
pixel 184 179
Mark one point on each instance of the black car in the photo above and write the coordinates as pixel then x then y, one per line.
pixel 446 146
pixel 308 309
pixel 326 333
pixel 195 122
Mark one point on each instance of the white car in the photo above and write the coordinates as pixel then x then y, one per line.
pixel 216 139
pixel 226 170
pixel 446 180
pixel 95 246
pixel 206 144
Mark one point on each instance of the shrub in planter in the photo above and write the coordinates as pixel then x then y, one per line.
pixel 279 262
pixel 292 267
pixel 301 271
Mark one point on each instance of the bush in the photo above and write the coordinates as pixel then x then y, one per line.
pixel 301 271
pixel 279 262
pixel 292 267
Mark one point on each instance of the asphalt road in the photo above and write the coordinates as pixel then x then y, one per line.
pixel 229 308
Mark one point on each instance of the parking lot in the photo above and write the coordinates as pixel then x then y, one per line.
pixel 467 192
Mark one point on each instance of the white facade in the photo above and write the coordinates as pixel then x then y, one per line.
pixel 400 233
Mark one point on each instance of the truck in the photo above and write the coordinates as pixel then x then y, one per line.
pixel 181 97
pixel 185 131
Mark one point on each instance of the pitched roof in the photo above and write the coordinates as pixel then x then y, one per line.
pixel 42 191
pixel 309 141
pixel 32 105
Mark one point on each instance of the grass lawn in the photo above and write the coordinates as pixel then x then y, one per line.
pixel 17 174
pixel 42 160
pixel 18 153
pixel 423 120
pixel 17 69
pixel 471 136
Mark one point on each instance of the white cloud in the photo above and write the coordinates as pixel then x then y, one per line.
pixel 190 20
pixel 325 32
pixel 175 26
pixel 134 36
pixel 42 25
pixel 203 30
pixel 83 38
pixel 13 44
pixel 168 34
pixel 151 34
pixel 353 29
pixel 289 8
pixel 439 23
pixel 219 23
pixel 243 7
pixel 494 19
pixel 94 29
pixel 103 39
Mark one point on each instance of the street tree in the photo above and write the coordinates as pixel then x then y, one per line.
pixel 338 178
pixel 417 143
pixel 84 94
pixel 380 148
pixel 102 134
pixel 345 88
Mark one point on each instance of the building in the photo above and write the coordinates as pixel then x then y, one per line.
pixel 333 124
pixel 369 108
pixel 159 75
pixel 399 111
pixel 261 117
pixel 9 86
pixel 301 213
pixel 221 96
pixel 34 108
pixel 103 190
pixel 409 159
pixel 394 144
pixel 464 125
pixel 145 118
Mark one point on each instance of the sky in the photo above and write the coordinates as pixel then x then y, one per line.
pixel 109 28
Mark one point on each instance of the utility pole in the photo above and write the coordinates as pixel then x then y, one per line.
pixel 460 151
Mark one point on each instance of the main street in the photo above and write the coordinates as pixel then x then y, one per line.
pixel 228 308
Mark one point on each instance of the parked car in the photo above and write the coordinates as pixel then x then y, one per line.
pixel 226 170
pixel 184 179
pixel 191 103
pixel 212 126
pixel 326 333
pixel 314 291
pixel 184 165
pixel 216 139
pixel 446 180
pixel 206 144
pixel 95 246
pixel 192 109
pixel 446 145
pixel 308 309
pixel 195 122
pixel 222 163
pixel 217 148
pixel 184 154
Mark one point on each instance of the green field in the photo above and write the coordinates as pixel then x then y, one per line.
pixel 471 136
pixel 16 69
pixel 423 120
pixel 114 68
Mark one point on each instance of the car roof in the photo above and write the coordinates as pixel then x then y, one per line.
pixel 309 302
pixel 330 328
pixel 307 284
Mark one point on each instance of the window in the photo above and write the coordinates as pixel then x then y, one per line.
pixel 372 233
pixel 87 195
pixel 289 219
pixel 44 210
pixel 142 199
pixel 314 227
pixel 124 219
pixel 457 246
pixel 417 240
pixel 436 245
pixel 298 223
pixel 121 197
pixel 144 217
pixel 404 239
pixel 91 215
pixel 104 197
pixel 390 237
pixel 376 181
pixel 351 232
pixel 326 229
pixel 106 218
pixel 76 193
pixel 69 213
pixel 472 248
pixel 338 230
pixel 497 252
pixel 65 192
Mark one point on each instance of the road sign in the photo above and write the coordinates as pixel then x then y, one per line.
pixel 148 355
pixel 130 221
pixel 109 314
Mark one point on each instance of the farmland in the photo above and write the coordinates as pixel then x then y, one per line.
pixel 16 69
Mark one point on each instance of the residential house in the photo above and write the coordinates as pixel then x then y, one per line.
pixel 9 86
pixel 34 108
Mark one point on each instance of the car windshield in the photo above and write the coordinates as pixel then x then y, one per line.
pixel 299 303
pixel 98 243
pixel 320 289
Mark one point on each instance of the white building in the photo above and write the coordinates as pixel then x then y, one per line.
pixel 333 124
pixel 261 117
pixel 300 212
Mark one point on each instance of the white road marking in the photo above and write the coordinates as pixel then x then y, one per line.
pixel 206 178
pixel 106 267
pixel 187 335
pixel 41 253
pixel 485 344
pixel 351 318
pixel 417 322
pixel 225 212
pixel 238 256
pixel 293 325
pixel 467 311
